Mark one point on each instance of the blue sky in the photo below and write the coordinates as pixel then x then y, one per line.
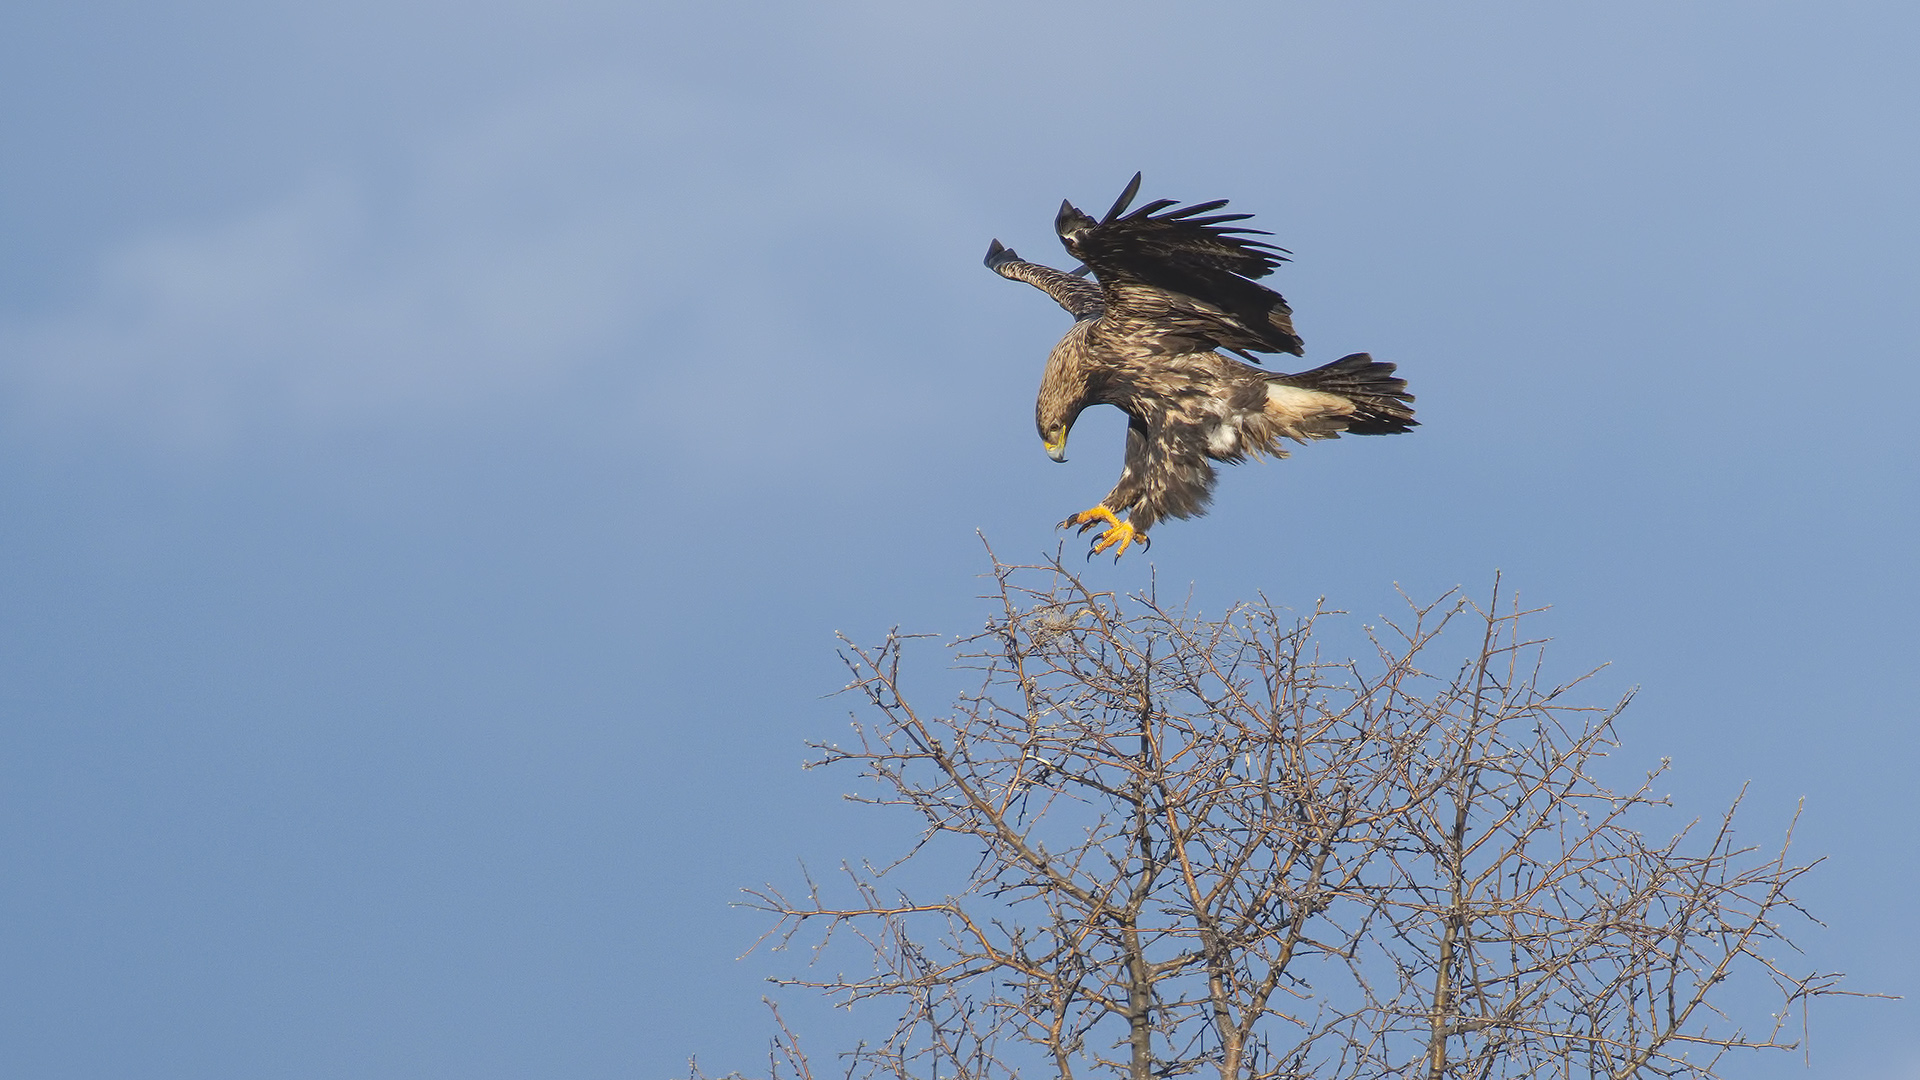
pixel 438 443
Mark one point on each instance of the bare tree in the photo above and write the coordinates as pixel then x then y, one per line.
pixel 1198 845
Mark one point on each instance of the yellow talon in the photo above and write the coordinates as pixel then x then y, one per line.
pixel 1087 519
pixel 1122 534
pixel 1117 531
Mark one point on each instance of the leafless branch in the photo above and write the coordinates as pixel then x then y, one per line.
pixel 1199 845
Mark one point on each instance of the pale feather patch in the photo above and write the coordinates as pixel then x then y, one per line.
pixel 1307 414
pixel 1222 438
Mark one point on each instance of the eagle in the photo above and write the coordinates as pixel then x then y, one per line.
pixel 1175 289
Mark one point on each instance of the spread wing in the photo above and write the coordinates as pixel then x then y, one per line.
pixel 1080 297
pixel 1180 279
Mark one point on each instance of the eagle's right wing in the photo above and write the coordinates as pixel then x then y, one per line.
pixel 1181 279
pixel 1080 297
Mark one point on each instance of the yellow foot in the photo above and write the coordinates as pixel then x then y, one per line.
pixel 1117 533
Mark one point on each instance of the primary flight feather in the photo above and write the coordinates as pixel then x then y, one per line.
pixel 1175 285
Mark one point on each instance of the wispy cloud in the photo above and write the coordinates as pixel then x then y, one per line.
pixel 599 219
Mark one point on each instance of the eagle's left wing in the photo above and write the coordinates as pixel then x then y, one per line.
pixel 1181 279
pixel 1081 298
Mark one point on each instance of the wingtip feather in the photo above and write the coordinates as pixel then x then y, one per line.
pixel 1126 196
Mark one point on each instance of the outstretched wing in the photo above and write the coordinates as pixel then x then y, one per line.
pixel 1081 298
pixel 1180 278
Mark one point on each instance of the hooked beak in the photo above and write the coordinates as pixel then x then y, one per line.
pixel 1057 450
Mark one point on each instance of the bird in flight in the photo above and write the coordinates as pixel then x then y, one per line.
pixel 1174 289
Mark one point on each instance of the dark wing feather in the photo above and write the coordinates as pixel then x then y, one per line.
pixel 1181 280
pixel 1082 299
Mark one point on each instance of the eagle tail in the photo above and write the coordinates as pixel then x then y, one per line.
pixel 1380 399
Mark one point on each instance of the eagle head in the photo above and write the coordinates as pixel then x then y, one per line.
pixel 1054 417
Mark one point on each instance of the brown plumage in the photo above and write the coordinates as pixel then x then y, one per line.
pixel 1174 286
